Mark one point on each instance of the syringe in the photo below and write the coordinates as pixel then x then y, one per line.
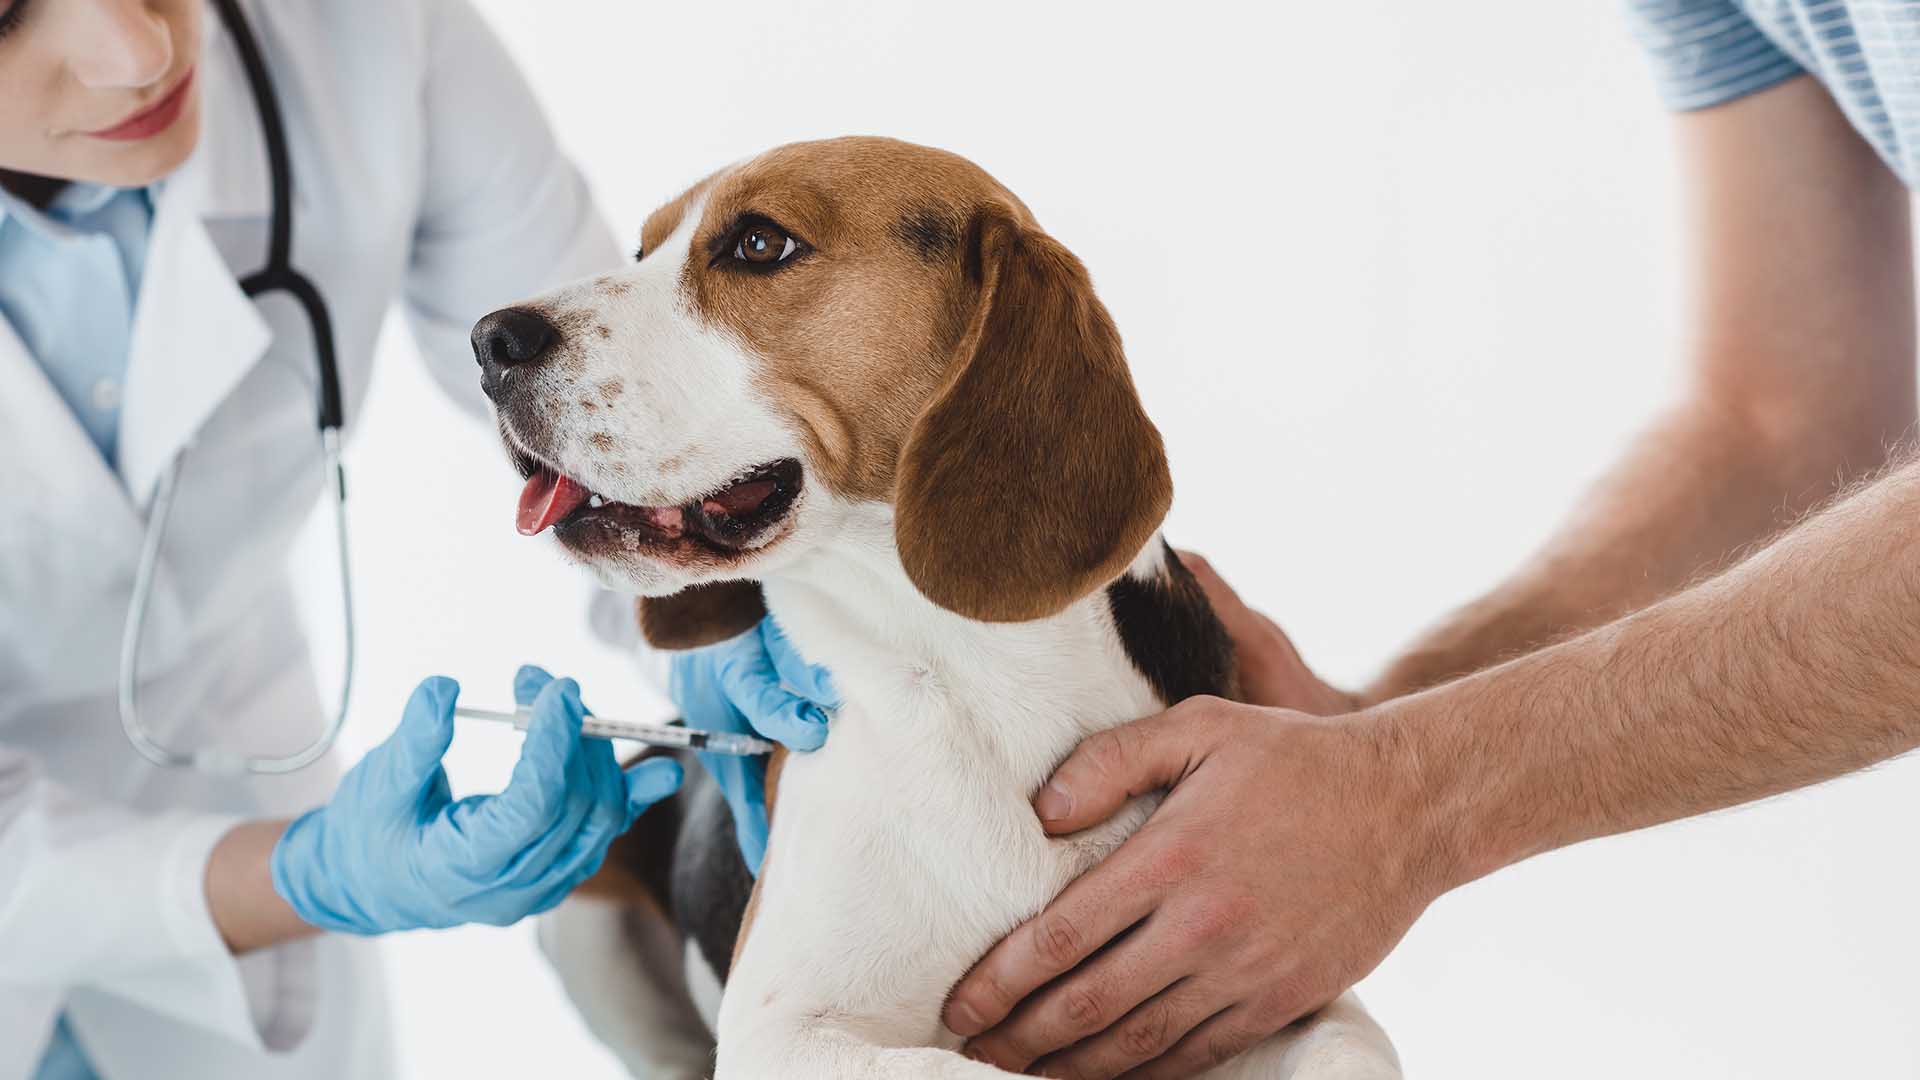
pixel 599 727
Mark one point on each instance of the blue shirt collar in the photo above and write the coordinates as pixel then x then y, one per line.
pixel 67 213
pixel 77 201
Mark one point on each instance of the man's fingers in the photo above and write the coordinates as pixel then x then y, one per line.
pixel 1242 622
pixel 1219 593
pixel 1271 670
pixel 1220 1037
pixel 1132 970
pixel 1114 765
pixel 1251 631
pixel 1098 905
pixel 1140 1036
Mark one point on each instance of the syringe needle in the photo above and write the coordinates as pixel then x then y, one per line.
pixel 600 727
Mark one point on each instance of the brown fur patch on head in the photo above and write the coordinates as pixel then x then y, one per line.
pixel 936 349
pixel 931 231
pixel 701 614
pixel 856 335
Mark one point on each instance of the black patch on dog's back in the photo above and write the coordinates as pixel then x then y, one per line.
pixel 928 232
pixel 711 882
pixel 1171 633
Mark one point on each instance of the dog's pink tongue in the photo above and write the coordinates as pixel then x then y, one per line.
pixel 548 497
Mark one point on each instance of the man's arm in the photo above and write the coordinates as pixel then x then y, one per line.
pixel 1797 665
pixel 1792 667
pixel 1802 354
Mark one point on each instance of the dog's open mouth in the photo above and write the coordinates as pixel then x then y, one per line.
pixel 729 518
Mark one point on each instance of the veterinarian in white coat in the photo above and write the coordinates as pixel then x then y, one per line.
pixel 424 173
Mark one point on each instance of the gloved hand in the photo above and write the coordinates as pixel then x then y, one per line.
pixel 395 851
pixel 755 684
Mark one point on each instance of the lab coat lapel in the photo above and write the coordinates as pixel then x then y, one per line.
pixel 195 333
pixel 69 539
pixel 69 483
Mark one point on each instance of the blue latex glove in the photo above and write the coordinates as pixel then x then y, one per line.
pixel 756 684
pixel 395 851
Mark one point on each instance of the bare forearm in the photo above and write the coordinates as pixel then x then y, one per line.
pixel 240 895
pixel 1800 350
pixel 1797 665
pixel 1696 489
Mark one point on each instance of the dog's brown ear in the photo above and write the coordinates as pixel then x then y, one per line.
pixel 701 614
pixel 1033 476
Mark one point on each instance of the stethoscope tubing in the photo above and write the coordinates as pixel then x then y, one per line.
pixel 213 759
pixel 277 276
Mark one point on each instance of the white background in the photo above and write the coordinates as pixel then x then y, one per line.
pixel 1397 280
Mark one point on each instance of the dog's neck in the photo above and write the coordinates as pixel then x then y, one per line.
pixel 1021 694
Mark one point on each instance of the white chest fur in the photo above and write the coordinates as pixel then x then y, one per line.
pixel 908 846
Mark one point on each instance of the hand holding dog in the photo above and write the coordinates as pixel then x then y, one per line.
pixel 1287 859
pixel 1271 671
pixel 1284 864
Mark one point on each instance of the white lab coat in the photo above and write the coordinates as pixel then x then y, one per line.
pixel 423 172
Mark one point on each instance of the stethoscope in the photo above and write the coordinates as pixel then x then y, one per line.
pixel 277 276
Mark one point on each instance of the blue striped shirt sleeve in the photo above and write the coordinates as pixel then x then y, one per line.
pixel 1706 52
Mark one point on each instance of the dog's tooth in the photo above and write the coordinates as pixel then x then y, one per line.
pixel 596 501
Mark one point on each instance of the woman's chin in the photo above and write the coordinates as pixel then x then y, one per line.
pixel 89 160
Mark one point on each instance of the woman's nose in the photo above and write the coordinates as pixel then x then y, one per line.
pixel 120 45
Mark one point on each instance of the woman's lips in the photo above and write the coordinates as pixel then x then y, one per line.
pixel 153 119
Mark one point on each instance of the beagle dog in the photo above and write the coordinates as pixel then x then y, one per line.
pixel 853 383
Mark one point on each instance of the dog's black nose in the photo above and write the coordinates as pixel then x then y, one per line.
pixel 511 336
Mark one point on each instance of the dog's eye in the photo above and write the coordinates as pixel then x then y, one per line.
pixel 764 245
pixel 756 244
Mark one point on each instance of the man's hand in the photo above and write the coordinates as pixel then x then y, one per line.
pixel 1290 855
pixel 1271 671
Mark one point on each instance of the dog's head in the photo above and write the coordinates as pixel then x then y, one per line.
pixel 852 321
